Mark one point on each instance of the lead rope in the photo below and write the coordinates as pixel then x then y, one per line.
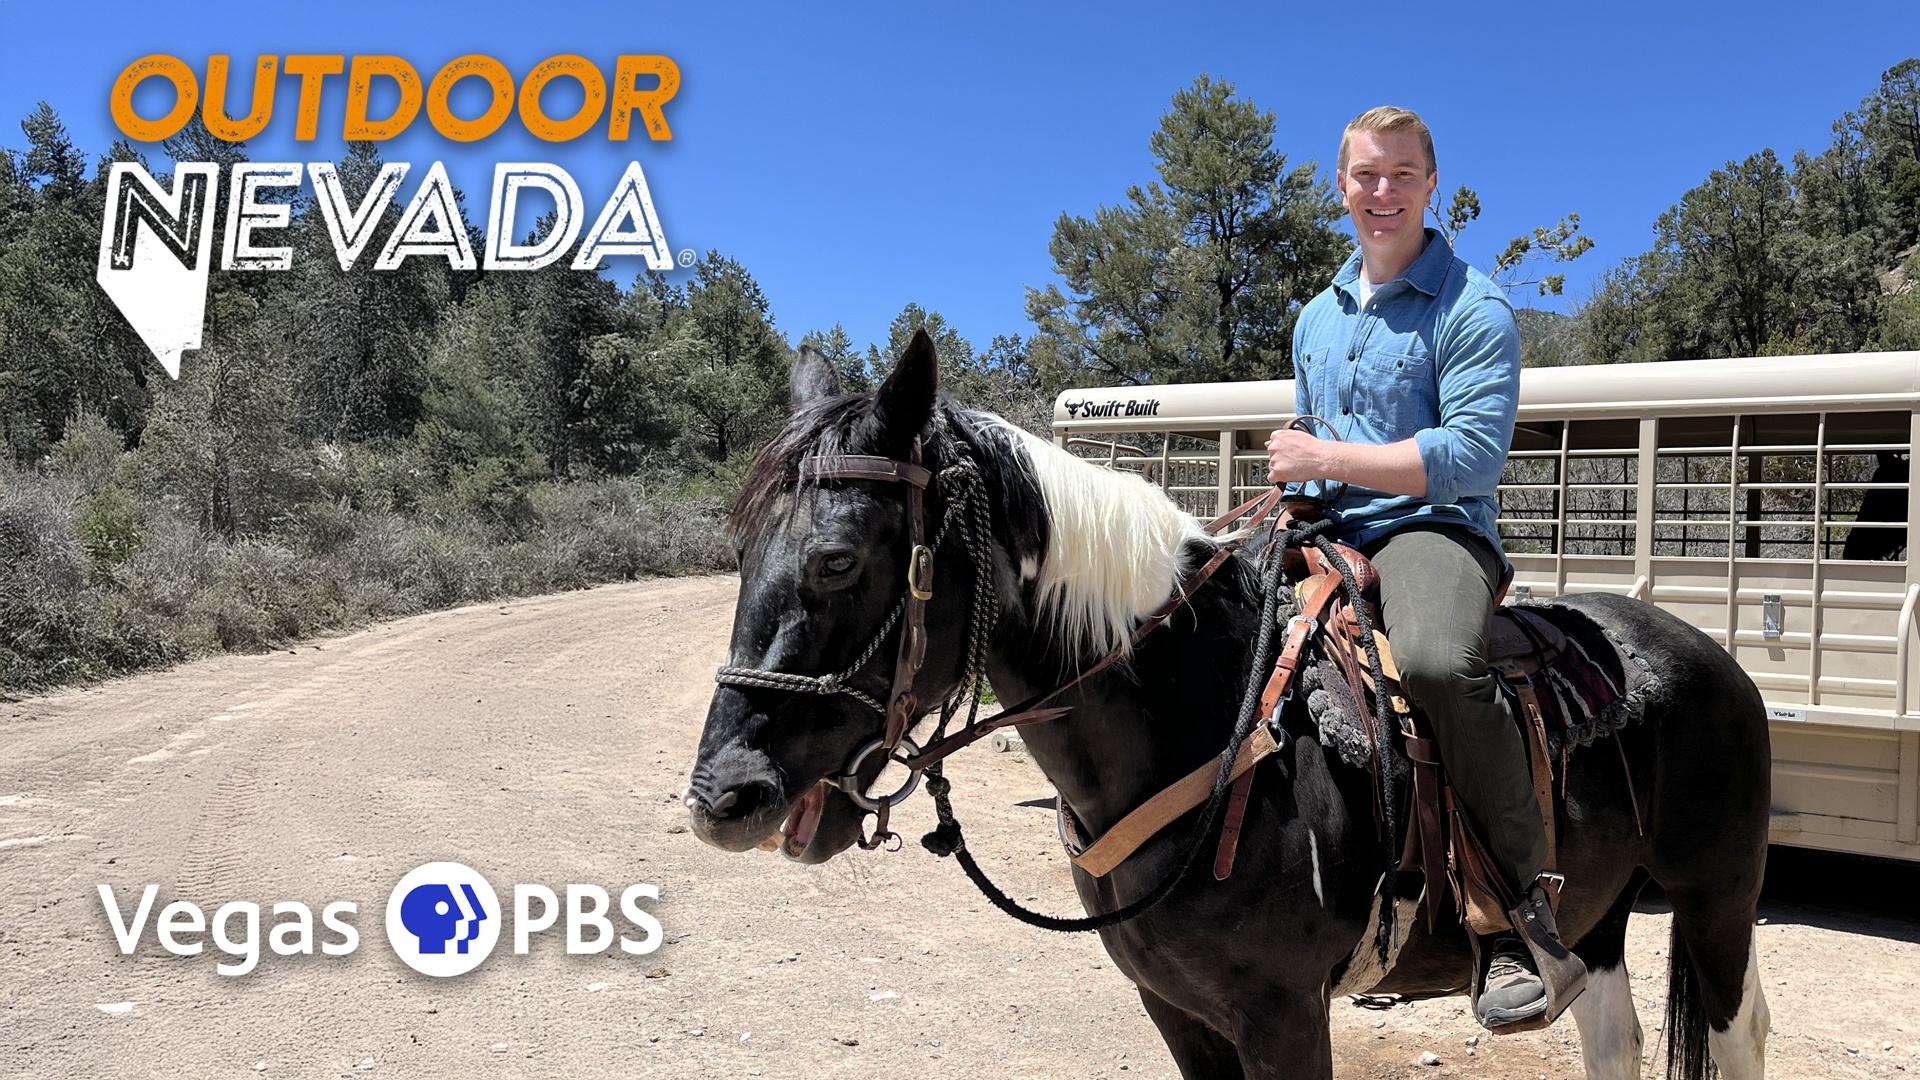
pixel 984 615
pixel 946 839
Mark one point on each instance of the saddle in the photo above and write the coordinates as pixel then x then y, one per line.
pixel 1554 684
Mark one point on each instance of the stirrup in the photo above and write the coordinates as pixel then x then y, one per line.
pixel 1562 974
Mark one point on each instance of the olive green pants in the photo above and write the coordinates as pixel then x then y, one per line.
pixel 1436 593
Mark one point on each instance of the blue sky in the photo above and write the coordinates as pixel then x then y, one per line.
pixel 859 157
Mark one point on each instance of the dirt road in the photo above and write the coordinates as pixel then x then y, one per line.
pixel 543 741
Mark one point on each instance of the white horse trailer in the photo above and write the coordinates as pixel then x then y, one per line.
pixel 1764 501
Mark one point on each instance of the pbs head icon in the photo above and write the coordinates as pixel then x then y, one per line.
pixel 443 919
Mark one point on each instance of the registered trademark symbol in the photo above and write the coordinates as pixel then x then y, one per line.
pixel 686 257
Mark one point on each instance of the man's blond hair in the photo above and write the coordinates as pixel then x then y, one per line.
pixel 1388 118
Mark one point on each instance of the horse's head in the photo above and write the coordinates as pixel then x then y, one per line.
pixel 824 572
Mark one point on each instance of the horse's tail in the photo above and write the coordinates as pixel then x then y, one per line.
pixel 1686 1026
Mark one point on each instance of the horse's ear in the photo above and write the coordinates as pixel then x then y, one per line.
pixel 813 378
pixel 905 402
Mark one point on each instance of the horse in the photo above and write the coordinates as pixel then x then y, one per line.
pixel 1881 504
pixel 1237 974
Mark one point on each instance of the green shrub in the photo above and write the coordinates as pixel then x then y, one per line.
pixel 110 527
pixel 56 624
pixel 94 583
pixel 89 456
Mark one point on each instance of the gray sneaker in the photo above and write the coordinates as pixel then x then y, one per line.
pixel 1513 992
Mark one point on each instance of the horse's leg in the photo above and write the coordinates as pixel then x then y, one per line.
pixel 1610 1036
pixel 1718 937
pixel 1200 1052
pixel 1741 1050
pixel 1287 1038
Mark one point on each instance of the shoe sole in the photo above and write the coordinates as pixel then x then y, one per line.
pixel 1529 1018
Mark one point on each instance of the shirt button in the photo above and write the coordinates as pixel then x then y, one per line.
pixel 1346 410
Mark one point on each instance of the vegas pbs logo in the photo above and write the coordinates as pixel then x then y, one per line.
pixel 443 919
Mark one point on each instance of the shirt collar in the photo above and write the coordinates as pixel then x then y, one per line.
pixel 1428 272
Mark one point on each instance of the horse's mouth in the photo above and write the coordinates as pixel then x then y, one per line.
pixel 819 825
pixel 802 823
pixel 820 822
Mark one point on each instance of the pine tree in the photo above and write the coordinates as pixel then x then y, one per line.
pixel 357 339
pixel 724 366
pixel 1201 275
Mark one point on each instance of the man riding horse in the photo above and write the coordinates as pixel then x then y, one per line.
pixel 1412 358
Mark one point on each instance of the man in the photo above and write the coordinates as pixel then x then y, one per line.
pixel 1413 358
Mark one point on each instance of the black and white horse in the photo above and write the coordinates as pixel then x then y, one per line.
pixel 1238 974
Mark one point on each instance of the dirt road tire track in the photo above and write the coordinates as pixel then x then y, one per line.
pixel 543 740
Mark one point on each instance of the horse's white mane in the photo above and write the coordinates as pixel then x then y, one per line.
pixel 1114 548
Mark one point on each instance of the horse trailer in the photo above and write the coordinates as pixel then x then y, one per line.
pixel 1765 501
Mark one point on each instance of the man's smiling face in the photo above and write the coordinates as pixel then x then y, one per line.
pixel 1386 186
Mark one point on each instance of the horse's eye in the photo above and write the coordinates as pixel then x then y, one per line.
pixel 837 564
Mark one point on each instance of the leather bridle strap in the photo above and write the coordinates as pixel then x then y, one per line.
pixel 1258 508
pixel 1036 710
pixel 867 467
pixel 901 703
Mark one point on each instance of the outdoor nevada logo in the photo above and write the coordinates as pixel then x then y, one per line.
pixel 443 919
pixel 157 243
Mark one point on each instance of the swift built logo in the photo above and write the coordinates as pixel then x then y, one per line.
pixel 442 919
pixel 1097 410
pixel 156 241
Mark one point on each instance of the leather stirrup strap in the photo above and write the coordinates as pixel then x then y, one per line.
pixel 1426 846
pixel 1535 733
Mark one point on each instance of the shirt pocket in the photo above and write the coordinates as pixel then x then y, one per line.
pixel 1396 389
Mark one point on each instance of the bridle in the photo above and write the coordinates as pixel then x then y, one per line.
pixel 966 509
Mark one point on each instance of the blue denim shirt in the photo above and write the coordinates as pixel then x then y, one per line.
pixel 1434 357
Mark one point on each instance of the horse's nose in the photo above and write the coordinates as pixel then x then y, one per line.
pixel 742 801
pixel 721 798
